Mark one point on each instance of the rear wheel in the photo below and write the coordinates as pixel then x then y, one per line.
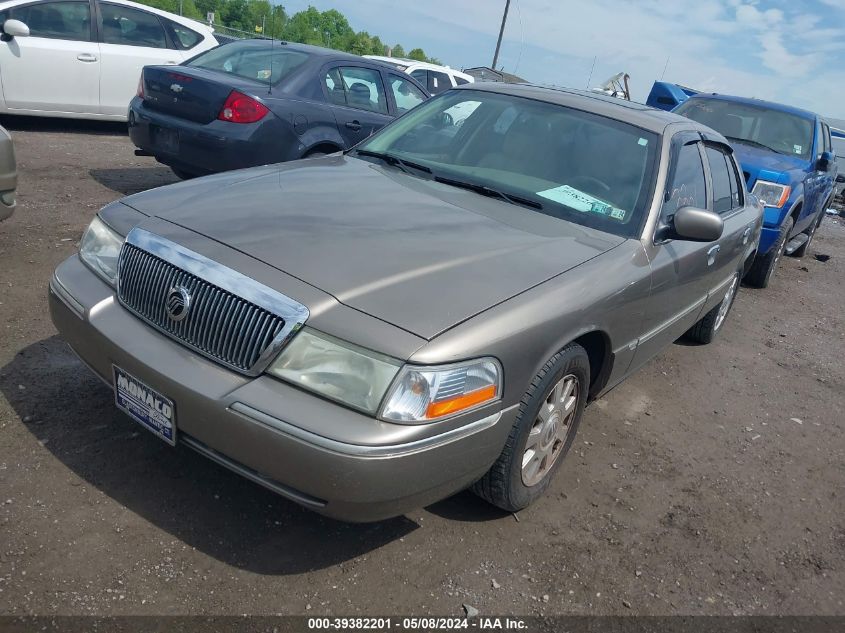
pixel 706 329
pixel 764 266
pixel 545 428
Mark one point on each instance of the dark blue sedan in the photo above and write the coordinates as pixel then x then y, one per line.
pixel 256 102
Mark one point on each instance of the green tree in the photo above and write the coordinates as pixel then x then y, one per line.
pixel 418 54
pixel 361 44
pixel 398 51
pixel 376 46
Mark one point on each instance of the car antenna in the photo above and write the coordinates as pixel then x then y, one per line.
pixel 270 78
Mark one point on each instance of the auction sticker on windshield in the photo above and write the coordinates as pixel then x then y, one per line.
pixel 580 201
pixel 145 405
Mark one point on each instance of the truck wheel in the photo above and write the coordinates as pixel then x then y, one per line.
pixel 545 428
pixel 764 266
pixel 802 250
pixel 705 330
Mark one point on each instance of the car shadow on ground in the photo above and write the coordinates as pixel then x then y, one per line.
pixel 18 123
pixel 129 180
pixel 200 503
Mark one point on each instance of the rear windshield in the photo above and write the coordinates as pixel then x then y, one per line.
pixel 268 64
pixel 757 126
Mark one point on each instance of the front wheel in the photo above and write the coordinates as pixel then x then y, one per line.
pixel 545 428
pixel 764 266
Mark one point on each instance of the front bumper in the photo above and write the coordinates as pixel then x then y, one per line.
pixel 206 148
pixel 258 426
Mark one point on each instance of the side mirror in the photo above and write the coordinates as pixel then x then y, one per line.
pixel 824 161
pixel 840 178
pixel 14 28
pixel 697 225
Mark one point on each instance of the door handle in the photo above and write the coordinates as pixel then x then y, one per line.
pixel 353 125
pixel 86 57
pixel 745 235
pixel 711 254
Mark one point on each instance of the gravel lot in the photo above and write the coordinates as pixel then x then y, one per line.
pixel 711 482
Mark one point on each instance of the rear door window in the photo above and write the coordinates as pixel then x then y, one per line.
pixel 183 37
pixel 721 177
pixel 131 27
pixel 356 87
pixel 54 20
pixel 421 75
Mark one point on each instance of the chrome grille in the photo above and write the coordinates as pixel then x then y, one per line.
pixel 226 320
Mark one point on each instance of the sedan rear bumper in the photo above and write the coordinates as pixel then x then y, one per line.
pixel 206 148
pixel 230 418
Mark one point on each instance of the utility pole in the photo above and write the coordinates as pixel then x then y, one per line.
pixel 501 32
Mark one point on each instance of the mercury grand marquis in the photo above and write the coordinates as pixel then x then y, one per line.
pixel 371 331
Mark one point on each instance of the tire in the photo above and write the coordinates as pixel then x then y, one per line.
pixel 802 250
pixel 181 173
pixel 509 486
pixel 705 330
pixel 764 266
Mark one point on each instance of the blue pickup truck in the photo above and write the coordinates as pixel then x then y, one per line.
pixel 787 160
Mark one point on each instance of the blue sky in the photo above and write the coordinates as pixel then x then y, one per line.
pixel 792 51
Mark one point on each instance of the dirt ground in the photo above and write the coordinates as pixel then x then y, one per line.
pixel 712 482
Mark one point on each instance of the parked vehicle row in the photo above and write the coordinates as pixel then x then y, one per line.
pixel 430 307
pixel 371 331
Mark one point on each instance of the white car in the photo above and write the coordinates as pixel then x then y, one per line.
pixel 82 59
pixel 435 78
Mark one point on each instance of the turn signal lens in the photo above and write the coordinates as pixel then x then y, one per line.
pixel 239 108
pixel 425 394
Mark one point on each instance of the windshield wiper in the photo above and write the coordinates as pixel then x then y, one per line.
pixel 484 190
pixel 754 144
pixel 394 161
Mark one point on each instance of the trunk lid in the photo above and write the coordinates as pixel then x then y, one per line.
pixel 194 94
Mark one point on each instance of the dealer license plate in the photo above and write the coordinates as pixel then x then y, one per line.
pixel 145 405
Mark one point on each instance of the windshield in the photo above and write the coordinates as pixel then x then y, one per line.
pixel 267 64
pixel 758 126
pixel 541 157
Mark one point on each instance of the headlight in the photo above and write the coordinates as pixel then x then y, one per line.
pixel 423 394
pixel 771 194
pixel 100 249
pixel 336 369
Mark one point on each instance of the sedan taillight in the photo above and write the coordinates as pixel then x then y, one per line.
pixel 140 92
pixel 240 108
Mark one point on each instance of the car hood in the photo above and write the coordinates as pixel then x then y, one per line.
pixel 766 165
pixel 415 253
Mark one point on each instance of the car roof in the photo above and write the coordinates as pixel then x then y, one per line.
pixel 631 112
pixel 406 61
pixel 771 105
